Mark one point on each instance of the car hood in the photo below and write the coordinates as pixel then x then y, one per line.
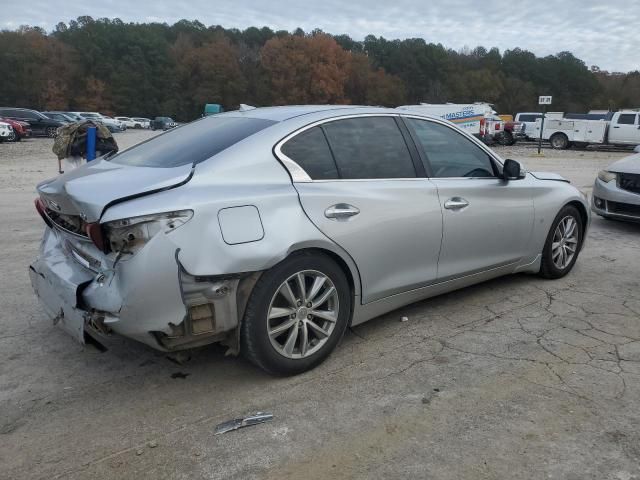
pixel 629 164
pixel 90 189
pixel 549 176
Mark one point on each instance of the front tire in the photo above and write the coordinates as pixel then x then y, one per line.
pixel 563 244
pixel 559 141
pixel 296 315
pixel 51 132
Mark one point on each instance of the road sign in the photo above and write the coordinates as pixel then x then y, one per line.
pixel 544 100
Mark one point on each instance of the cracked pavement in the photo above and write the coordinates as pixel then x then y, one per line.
pixel 519 377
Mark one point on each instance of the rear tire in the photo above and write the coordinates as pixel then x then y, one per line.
pixel 506 139
pixel 558 258
pixel 277 333
pixel 51 132
pixel 559 141
pixel 13 136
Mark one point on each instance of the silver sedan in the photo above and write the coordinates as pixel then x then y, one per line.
pixel 616 192
pixel 272 230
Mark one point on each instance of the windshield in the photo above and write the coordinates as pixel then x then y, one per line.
pixel 191 143
pixel 90 115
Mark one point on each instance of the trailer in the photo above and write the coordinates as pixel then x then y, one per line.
pixel 622 130
pixel 470 117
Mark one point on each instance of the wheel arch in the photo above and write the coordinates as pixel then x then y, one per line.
pixel 342 259
pixel 584 216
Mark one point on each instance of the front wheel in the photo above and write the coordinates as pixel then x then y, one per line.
pixel 51 132
pixel 563 244
pixel 559 141
pixel 296 315
pixel 13 136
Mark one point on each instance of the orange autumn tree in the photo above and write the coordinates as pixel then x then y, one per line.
pixel 306 69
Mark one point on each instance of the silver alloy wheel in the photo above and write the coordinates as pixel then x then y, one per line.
pixel 565 242
pixel 302 314
pixel 51 132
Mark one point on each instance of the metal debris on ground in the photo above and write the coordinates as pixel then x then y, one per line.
pixel 237 423
pixel 404 319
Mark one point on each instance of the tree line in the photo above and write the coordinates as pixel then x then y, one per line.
pixel 149 69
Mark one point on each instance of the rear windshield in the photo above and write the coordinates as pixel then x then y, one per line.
pixel 191 143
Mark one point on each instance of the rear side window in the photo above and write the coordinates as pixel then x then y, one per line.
pixel 369 147
pixel 627 118
pixel 191 143
pixel 311 151
pixel 449 153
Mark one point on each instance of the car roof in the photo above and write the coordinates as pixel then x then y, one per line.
pixel 280 114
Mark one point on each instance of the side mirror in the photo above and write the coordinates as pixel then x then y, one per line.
pixel 637 149
pixel 512 170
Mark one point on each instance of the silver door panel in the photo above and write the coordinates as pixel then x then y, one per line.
pixel 486 223
pixel 394 237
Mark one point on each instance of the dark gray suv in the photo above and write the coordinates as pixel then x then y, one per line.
pixel 41 125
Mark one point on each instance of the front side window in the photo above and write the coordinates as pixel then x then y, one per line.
pixel 627 118
pixel 310 150
pixel 191 143
pixel 369 147
pixel 449 153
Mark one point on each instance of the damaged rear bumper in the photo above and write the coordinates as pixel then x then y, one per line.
pixel 148 297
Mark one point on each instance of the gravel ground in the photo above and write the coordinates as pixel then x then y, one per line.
pixel 515 378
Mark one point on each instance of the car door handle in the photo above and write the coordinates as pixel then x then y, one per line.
pixel 456 203
pixel 341 211
pixel 616 126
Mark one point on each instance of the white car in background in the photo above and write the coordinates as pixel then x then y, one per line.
pixel 112 124
pixel 144 122
pixel 132 122
pixel 119 123
pixel 5 131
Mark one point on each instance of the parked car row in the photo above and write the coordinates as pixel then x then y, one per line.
pixel 19 123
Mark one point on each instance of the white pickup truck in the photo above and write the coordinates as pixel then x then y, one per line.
pixel 622 130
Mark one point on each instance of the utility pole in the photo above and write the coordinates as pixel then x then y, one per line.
pixel 543 100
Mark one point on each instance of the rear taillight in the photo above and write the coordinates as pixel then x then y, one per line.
pixel 482 125
pixel 94 232
pixel 42 210
pixel 497 126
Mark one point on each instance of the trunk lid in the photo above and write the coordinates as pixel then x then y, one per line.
pixel 88 190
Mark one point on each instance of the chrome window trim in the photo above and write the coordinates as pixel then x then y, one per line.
pixel 299 175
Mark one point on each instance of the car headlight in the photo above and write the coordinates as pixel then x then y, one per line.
pixel 606 176
pixel 128 235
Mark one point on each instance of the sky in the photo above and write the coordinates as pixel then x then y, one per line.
pixel 603 33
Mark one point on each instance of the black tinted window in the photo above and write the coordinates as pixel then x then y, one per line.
pixel 31 115
pixel 627 118
pixel 369 147
pixel 529 118
pixel 191 143
pixel 450 153
pixel 311 151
